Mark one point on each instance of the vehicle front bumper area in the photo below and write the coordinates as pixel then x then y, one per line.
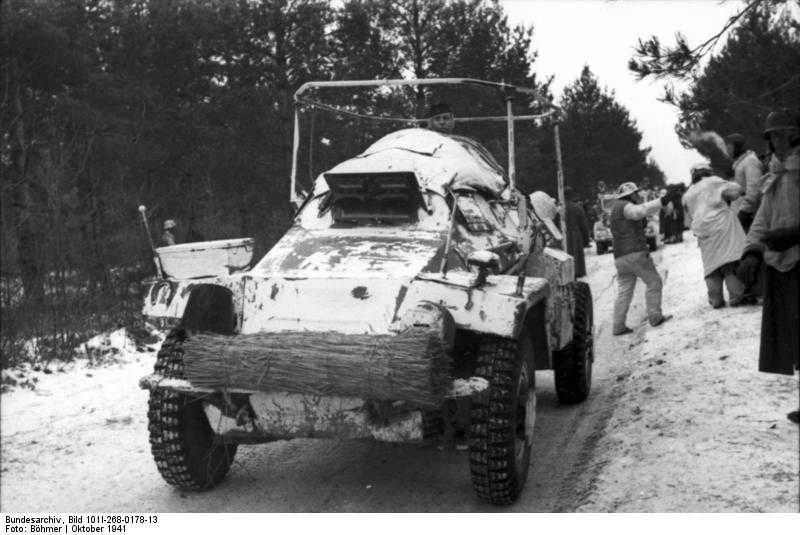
pixel 254 417
pixel 311 397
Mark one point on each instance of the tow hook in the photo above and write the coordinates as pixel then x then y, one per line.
pixel 239 408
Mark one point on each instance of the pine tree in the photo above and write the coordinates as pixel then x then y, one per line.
pixel 758 70
pixel 600 141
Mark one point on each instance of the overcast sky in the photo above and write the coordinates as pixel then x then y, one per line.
pixel 570 33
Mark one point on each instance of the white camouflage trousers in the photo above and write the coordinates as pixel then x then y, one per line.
pixel 629 268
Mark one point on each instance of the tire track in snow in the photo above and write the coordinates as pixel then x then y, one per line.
pixel 611 354
pixel 109 468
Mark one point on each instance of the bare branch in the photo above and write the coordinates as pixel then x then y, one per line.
pixel 679 61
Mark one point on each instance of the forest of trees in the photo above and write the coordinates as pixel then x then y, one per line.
pixel 185 106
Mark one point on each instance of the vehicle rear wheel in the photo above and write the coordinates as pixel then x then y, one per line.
pixel 501 422
pixel 573 365
pixel 187 452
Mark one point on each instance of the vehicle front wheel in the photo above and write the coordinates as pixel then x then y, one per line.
pixel 501 422
pixel 573 365
pixel 187 452
pixel 652 244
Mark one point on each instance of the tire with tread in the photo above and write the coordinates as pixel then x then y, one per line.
pixel 498 458
pixel 188 454
pixel 573 365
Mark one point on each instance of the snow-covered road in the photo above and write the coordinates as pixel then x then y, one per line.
pixel 696 428
pixel 678 420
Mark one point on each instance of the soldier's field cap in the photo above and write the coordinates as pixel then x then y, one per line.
pixel 438 109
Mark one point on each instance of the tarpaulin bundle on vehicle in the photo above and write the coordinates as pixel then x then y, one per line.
pixel 412 365
pixel 439 161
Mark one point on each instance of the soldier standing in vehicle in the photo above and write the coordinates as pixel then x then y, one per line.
pixel 632 256
pixel 440 118
pixel 168 236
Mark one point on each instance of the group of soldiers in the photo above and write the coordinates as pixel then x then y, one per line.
pixel 747 225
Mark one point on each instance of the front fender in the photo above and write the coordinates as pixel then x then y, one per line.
pixel 214 299
pixel 494 308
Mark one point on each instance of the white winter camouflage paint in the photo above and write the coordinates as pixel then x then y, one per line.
pixel 371 278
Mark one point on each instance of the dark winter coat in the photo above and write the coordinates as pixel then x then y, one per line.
pixel 672 223
pixel 780 336
pixel 780 341
pixel 577 236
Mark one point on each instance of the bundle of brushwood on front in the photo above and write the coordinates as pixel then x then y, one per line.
pixel 412 365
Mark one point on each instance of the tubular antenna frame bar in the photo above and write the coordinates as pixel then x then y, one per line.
pixel 503 118
pixel 413 82
pixel 510 92
pixel 406 120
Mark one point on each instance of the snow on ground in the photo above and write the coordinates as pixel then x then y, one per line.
pixel 696 428
pixel 691 426
pixel 97 360
pixel 76 406
pixel 115 342
pixel 107 348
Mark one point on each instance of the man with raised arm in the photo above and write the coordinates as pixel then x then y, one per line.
pixel 632 256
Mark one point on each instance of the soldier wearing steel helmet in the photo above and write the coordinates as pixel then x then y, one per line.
pixel 168 236
pixel 632 255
